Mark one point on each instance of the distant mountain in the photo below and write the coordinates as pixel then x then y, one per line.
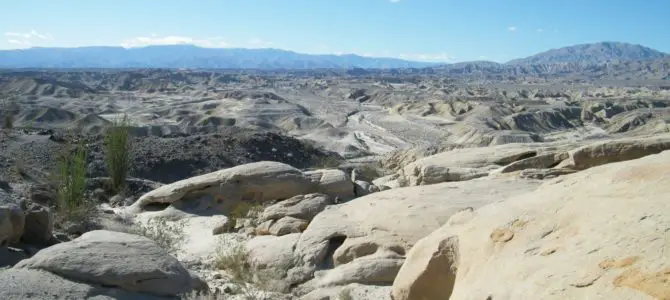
pixel 187 56
pixel 592 53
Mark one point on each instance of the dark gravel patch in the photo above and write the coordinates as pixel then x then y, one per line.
pixel 32 157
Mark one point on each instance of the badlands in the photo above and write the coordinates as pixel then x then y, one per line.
pixel 337 185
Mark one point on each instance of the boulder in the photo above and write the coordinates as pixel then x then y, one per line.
pixel 429 272
pixel 12 222
pixel 368 270
pixel 350 291
pixel 597 234
pixel 287 225
pixel 221 191
pixel 541 174
pixel 543 161
pixel 37 284
pixel 39 225
pixel 271 257
pixel 614 151
pixel 332 182
pixel 363 188
pixel 462 164
pixel 264 227
pixel 385 225
pixel 127 261
pixel 389 182
pixel 303 207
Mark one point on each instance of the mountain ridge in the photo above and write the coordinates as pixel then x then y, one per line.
pixel 592 53
pixel 191 56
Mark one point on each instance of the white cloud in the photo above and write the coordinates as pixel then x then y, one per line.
pixel 511 28
pixel 428 57
pixel 27 39
pixel 258 43
pixel 394 1
pixel 21 43
pixel 29 35
pixel 539 30
pixel 142 41
pixel 483 57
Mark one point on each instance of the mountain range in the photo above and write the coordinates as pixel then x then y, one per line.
pixel 188 56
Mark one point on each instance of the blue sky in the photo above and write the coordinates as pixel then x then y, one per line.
pixel 428 30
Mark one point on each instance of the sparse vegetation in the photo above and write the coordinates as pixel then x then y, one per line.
pixel 203 296
pixel 117 154
pixel 345 294
pixel 325 162
pixel 244 210
pixel 71 182
pixel 234 259
pixel 168 235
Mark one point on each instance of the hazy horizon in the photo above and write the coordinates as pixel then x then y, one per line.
pixel 415 30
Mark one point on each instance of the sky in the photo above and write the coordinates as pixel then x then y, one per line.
pixel 423 30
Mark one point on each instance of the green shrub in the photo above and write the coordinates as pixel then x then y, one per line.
pixel 234 259
pixel 244 210
pixel 168 235
pixel 117 154
pixel 71 182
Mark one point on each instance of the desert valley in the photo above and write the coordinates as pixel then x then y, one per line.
pixel 332 177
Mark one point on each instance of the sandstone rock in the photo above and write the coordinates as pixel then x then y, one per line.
pixel 350 291
pixel 264 228
pixel 368 270
pixel 302 207
pixel 287 225
pixel 429 272
pixel 537 162
pixel 39 224
pixel 221 191
pixel 540 174
pixel 12 222
pixel 615 151
pixel 37 284
pixel 387 224
pixel 332 182
pixel 598 233
pixel 271 257
pixel 388 182
pixel 131 262
pixel 462 164
pixel 362 188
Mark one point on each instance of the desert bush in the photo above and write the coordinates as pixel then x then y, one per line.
pixel 345 294
pixel 168 235
pixel 234 259
pixel 117 154
pixel 71 183
pixel 244 210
